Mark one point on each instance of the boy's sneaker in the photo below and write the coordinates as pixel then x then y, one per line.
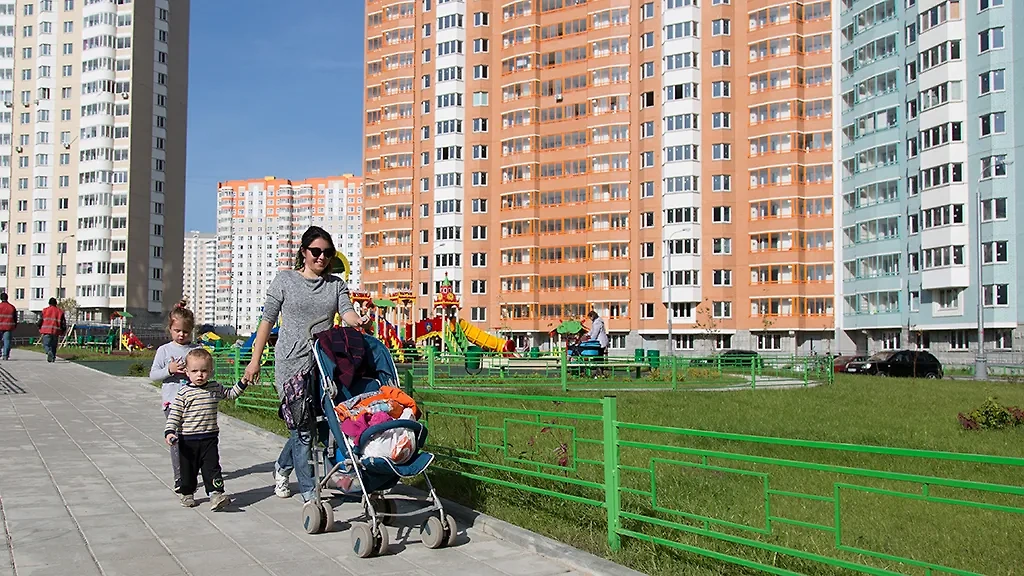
pixel 177 486
pixel 188 501
pixel 218 501
pixel 281 485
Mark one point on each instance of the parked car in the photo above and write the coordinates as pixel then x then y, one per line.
pixel 839 363
pixel 899 364
pixel 731 359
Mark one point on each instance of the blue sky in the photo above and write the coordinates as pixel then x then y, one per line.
pixel 274 89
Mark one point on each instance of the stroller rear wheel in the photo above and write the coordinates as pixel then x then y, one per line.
pixel 433 533
pixel 328 510
pixel 451 531
pixel 313 517
pixel 383 540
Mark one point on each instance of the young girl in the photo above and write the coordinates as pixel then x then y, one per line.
pixel 169 367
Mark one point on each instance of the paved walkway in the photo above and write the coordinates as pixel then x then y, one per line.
pixel 85 490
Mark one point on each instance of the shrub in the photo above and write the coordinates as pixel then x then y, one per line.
pixel 138 369
pixel 991 416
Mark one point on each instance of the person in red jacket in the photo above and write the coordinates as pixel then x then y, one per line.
pixel 52 324
pixel 8 322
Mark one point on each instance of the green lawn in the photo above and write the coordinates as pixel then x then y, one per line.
pixel 917 414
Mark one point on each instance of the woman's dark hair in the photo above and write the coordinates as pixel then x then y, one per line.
pixel 592 315
pixel 312 234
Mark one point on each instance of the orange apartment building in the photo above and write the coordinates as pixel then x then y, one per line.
pixel 644 159
pixel 260 223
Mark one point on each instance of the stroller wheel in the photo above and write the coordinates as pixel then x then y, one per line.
pixel 383 540
pixel 312 518
pixel 432 533
pixel 452 532
pixel 363 542
pixel 328 522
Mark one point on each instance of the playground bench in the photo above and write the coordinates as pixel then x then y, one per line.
pixel 106 345
pixel 613 365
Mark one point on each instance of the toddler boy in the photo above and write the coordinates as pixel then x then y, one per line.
pixel 194 412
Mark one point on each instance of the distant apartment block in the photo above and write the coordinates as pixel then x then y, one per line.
pixel 260 223
pixel 92 154
pixel 200 276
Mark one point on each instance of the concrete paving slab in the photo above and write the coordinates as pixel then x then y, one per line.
pixel 99 503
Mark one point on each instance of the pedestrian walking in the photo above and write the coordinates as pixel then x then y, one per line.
pixel 169 368
pixel 52 325
pixel 192 426
pixel 301 298
pixel 8 322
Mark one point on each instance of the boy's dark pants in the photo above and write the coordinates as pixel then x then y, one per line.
pixel 200 455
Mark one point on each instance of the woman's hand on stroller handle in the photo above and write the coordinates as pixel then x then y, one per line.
pixel 171 439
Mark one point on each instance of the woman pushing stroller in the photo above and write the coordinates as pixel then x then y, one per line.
pixel 301 298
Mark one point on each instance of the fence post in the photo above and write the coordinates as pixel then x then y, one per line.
pixel 612 503
pixel 753 372
pixel 431 359
pixel 563 361
pixel 675 374
pixel 237 364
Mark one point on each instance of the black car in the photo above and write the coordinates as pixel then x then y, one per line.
pixel 899 364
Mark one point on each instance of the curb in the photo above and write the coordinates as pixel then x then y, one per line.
pixel 571 557
pixel 574 558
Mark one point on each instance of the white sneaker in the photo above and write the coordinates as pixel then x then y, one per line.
pixel 281 485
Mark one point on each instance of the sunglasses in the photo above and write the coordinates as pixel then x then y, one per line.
pixel 317 252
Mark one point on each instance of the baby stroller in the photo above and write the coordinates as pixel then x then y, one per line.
pixel 371 476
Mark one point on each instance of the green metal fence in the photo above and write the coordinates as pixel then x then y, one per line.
pixel 780 505
pixel 229 366
pixel 493 371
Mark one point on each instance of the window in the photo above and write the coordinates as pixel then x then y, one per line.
pixel 478 314
pixel 720 27
pixel 720 58
pixel 478 287
pixel 992 81
pixel 996 295
pixel 991 39
pixel 721 309
pixel 993 123
pixel 721 214
pixel 482 19
pixel 992 252
pixel 993 209
pixel 986 4
pixel 993 166
pixel 721 246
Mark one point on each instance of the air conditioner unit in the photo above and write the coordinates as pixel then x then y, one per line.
pixel 125 95
pixel 558 97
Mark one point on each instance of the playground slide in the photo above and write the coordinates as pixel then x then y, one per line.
pixel 482 339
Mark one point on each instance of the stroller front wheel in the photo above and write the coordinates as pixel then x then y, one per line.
pixel 433 533
pixel 365 543
pixel 313 517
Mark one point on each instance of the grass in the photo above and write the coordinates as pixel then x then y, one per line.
pixel 76 354
pixel 861 410
pixel 918 414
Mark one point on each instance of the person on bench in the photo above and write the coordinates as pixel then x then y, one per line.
pixel 598 333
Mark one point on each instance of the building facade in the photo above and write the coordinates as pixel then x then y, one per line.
pixel 929 182
pixel 260 223
pixel 200 276
pixel 557 156
pixel 92 153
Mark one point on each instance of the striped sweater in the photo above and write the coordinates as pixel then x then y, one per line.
pixel 194 409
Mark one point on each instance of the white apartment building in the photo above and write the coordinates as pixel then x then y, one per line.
pixel 260 223
pixel 200 276
pixel 92 153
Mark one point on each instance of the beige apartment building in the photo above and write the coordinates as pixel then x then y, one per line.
pixel 666 163
pixel 92 153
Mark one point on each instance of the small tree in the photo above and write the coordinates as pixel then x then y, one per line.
pixel 706 321
pixel 70 308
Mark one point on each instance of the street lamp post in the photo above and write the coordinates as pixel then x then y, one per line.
pixel 62 248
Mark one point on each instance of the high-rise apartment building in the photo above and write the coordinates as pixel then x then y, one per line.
pixel 200 276
pixel 260 223
pixel 645 159
pixel 92 153
pixel 930 182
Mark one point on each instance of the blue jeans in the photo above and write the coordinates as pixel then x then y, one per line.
pixel 7 345
pixel 50 342
pixel 297 455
